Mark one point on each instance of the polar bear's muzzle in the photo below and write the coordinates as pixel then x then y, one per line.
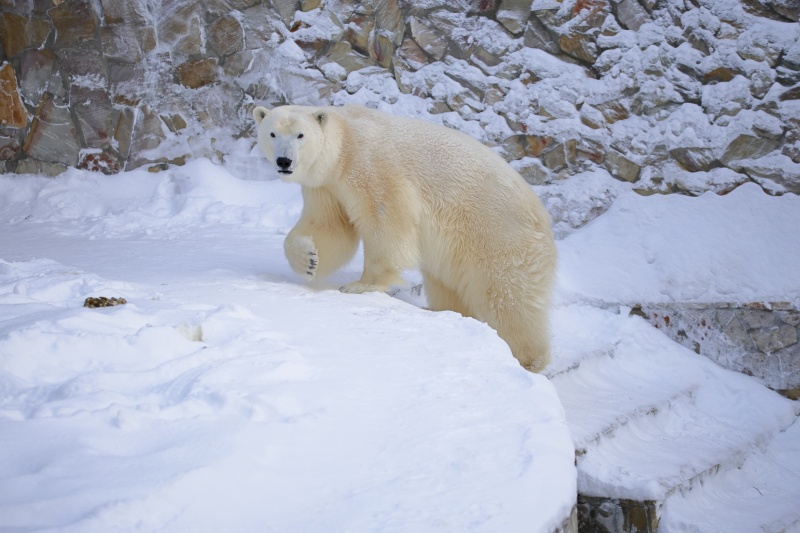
pixel 284 165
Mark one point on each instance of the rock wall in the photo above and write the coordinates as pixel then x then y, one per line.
pixel 669 95
pixel 758 339
pixel 660 96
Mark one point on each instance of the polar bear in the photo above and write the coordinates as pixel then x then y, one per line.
pixel 419 196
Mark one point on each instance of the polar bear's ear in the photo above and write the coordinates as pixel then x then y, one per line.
pixel 321 118
pixel 260 113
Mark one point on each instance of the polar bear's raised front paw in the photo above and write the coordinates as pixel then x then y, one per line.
pixel 302 255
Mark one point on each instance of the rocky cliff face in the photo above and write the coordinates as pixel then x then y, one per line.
pixel 670 95
pixel 660 96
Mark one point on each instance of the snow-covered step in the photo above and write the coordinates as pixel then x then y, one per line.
pixel 617 394
pixel 761 495
pixel 652 421
pixel 651 458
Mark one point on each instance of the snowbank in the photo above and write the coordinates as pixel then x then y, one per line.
pixel 227 395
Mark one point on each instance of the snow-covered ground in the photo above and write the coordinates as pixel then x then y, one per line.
pixel 228 395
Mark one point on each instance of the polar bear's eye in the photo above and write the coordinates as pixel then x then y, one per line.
pixel 300 136
pixel 272 134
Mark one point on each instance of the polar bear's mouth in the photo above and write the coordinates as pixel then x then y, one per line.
pixel 287 172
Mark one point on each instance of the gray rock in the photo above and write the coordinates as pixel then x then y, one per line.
pixel 389 20
pixel 286 9
pixel 95 117
pixel 40 168
pixel 538 36
pixel 37 69
pixel 746 147
pixel 513 14
pixel 775 338
pixel 429 39
pixel 226 35
pixel 632 15
pixel 148 134
pixel 788 8
pixel 52 137
pixel 411 54
pixel 125 12
pixel 120 42
pixel 621 167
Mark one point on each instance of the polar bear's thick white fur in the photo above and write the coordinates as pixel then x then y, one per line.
pixel 421 196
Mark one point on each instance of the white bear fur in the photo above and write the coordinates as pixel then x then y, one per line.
pixel 420 196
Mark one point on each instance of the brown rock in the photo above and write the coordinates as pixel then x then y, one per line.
pixel 106 162
pixel 18 33
pixel 74 22
pixel 350 61
pixel 621 167
pixel 613 111
pixel 308 5
pixel 694 159
pixel 560 155
pixel 579 45
pixel 411 53
pixel 719 74
pixel 226 36
pixel 791 94
pixel 358 32
pixel 519 146
pixel 196 74
pixel 381 48
pixel 12 112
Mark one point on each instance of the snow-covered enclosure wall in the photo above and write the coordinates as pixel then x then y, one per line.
pixel 588 99
pixel 672 95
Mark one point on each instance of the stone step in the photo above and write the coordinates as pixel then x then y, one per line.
pixel 653 422
pixel 761 495
pixel 675 450
pixel 616 395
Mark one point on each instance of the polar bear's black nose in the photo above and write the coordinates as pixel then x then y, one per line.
pixel 283 164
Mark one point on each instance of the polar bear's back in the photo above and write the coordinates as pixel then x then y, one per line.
pixel 432 155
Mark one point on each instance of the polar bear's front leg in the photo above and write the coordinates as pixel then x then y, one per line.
pixel 302 255
pixel 383 266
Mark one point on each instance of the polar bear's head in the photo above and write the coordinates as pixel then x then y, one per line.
pixel 291 138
